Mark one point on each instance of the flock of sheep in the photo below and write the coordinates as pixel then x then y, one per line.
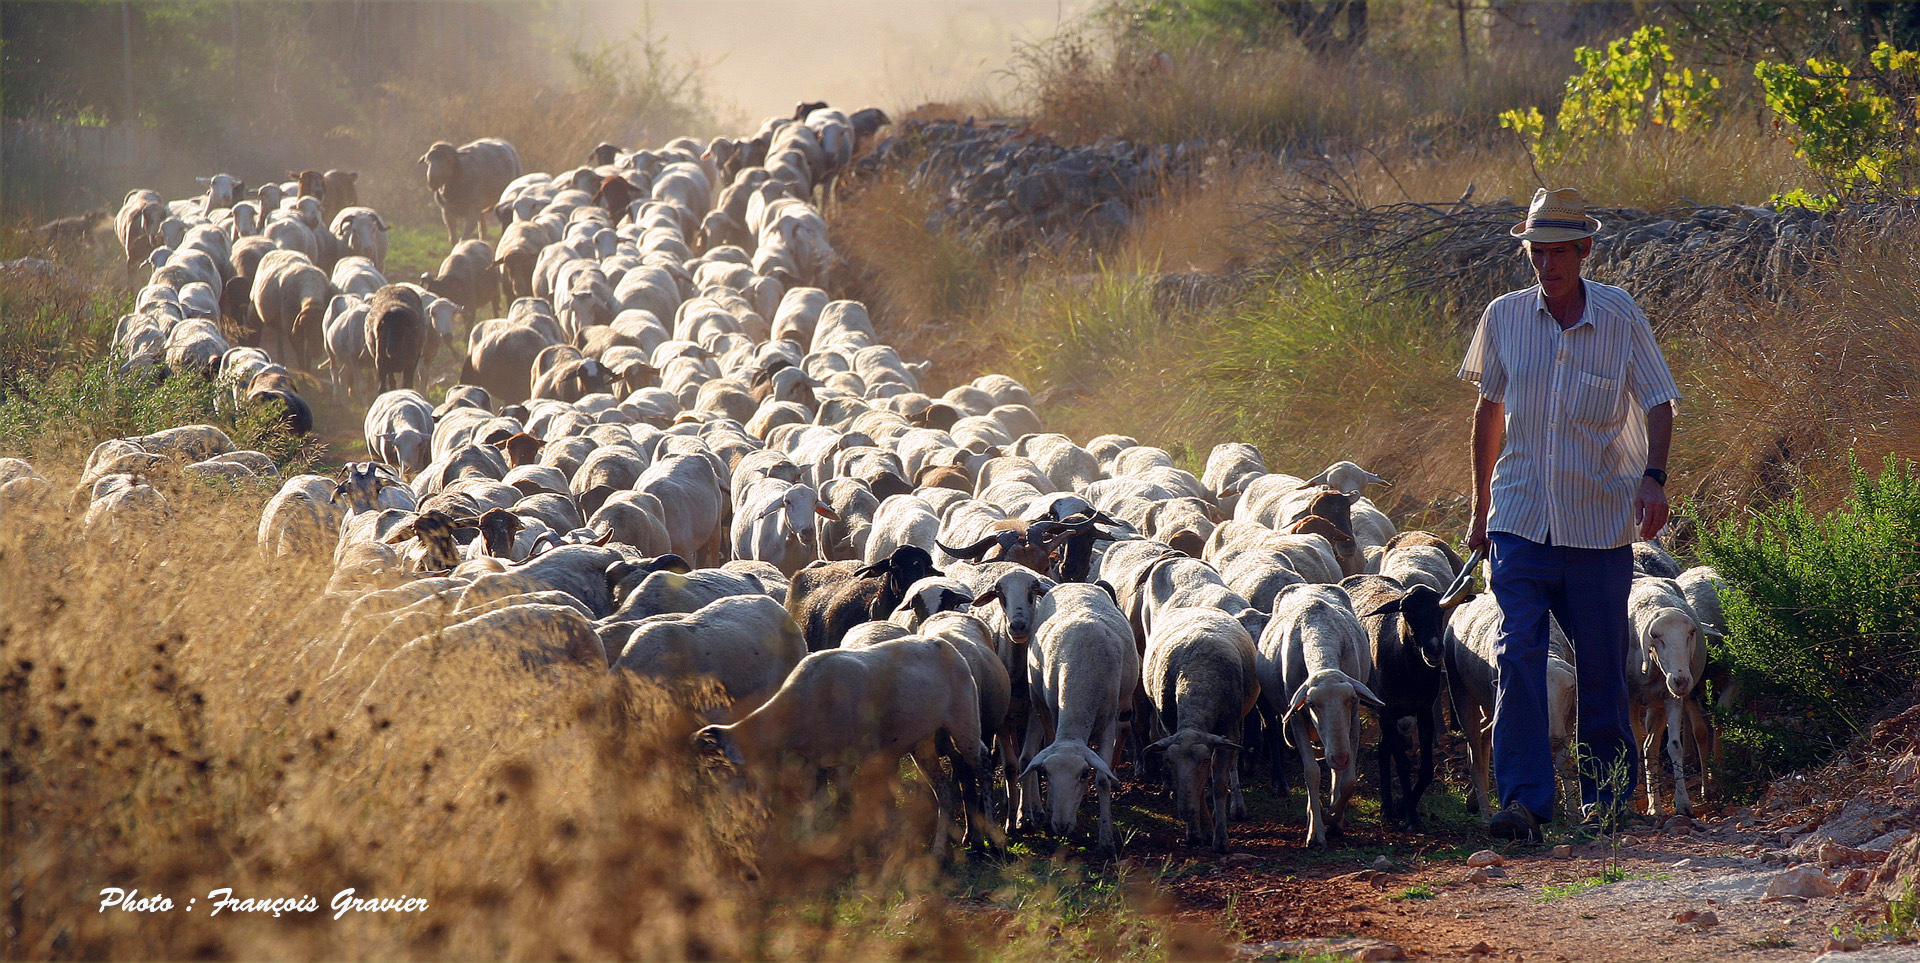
pixel 676 455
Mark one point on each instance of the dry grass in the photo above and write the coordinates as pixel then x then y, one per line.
pixel 1098 83
pixel 182 718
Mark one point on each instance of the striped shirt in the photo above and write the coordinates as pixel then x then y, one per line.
pixel 1576 431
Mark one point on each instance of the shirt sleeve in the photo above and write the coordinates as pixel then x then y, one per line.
pixel 1647 375
pixel 1482 363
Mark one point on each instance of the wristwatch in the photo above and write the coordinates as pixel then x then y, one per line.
pixel 1659 475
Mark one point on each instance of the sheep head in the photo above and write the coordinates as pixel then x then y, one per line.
pixel 1066 765
pixel 1189 754
pixel 1668 641
pixel 1330 698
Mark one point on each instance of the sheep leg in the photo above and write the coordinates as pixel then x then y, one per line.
pixel 1039 736
pixel 1108 846
pixel 447 217
pixel 927 757
pixel 1343 785
pixel 1425 777
pixel 1677 751
pixel 1388 754
pixel 1222 771
pixel 1236 798
pixel 1480 757
pixel 1010 775
pixel 1644 736
pixel 1706 742
pixel 1310 781
pixel 1271 734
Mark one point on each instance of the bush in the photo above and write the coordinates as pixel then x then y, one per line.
pixel 75 408
pixel 1823 611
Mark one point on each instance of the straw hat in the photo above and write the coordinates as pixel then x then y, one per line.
pixel 1556 215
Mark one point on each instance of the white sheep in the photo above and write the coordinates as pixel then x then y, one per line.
pixel 1082 670
pixel 1200 675
pixel 1314 650
pixel 1667 660
pixel 841 708
pixel 746 643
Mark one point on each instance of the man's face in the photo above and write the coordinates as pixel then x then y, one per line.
pixel 1557 264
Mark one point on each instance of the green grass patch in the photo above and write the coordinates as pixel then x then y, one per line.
pixel 1419 891
pixel 1608 876
pixel 76 408
pixel 413 250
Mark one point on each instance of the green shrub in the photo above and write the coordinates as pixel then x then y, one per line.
pixel 1625 90
pixel 1823 611
pixel 75 408
pixel 1853 130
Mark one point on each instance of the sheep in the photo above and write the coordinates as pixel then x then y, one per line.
pixel 993 684
pixel 299 520
pixel 1652 558
pixel 697 523
pixel 1406 635
pixel 1314 655
pixel 275 387
pixel 1199 674
pixel 847 707
pixel 399 430
pixel 362 231
pixel 1671 659
pixel 1428 565
pixel 1082 670
pixel 774 524
pixel 466 179
pixel 466 277
pixel 634 518
pixel 929 597
pixel 1473 679
pixel 746 643
pixel 578 570
pixel 827 600
pixel 396 334
pixel 137 225
pixel 290 297
pixel 1347 477
pixel 901 520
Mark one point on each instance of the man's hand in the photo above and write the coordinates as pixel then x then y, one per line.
pixel 1477 534
pixel 1650 507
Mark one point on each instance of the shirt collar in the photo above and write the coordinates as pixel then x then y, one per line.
pixel 1540 305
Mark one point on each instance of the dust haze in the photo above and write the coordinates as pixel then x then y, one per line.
pixel 765 55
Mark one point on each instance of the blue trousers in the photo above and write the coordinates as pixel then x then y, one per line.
pixel 1586 591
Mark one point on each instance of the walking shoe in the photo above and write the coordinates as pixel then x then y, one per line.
pixel 1516 822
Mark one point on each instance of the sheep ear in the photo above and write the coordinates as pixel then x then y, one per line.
pixel 989 596
pixel 604 538
pixel 1160 745
pixel 1366 695
pixel 825 512
pixel 774 509
pixel 949 597
pixel 204 180
pixel 1039 759
pixel 1319 479
pixel 869 571
pixel 1115 596
pixel 1100 766
pixel 400 534
pixel 1221 742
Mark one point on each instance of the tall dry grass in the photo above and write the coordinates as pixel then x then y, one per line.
pixel 181 717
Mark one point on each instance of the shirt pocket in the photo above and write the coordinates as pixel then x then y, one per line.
pixel 1594 399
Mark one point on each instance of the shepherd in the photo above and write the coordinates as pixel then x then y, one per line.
pixel 1570 439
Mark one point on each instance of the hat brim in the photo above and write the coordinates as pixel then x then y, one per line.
pixel 1551 234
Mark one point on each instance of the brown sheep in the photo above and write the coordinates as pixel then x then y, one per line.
pixel 396 333
pixel 467 180
pixel 277 388
pixel 467 277
pixel 341 193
